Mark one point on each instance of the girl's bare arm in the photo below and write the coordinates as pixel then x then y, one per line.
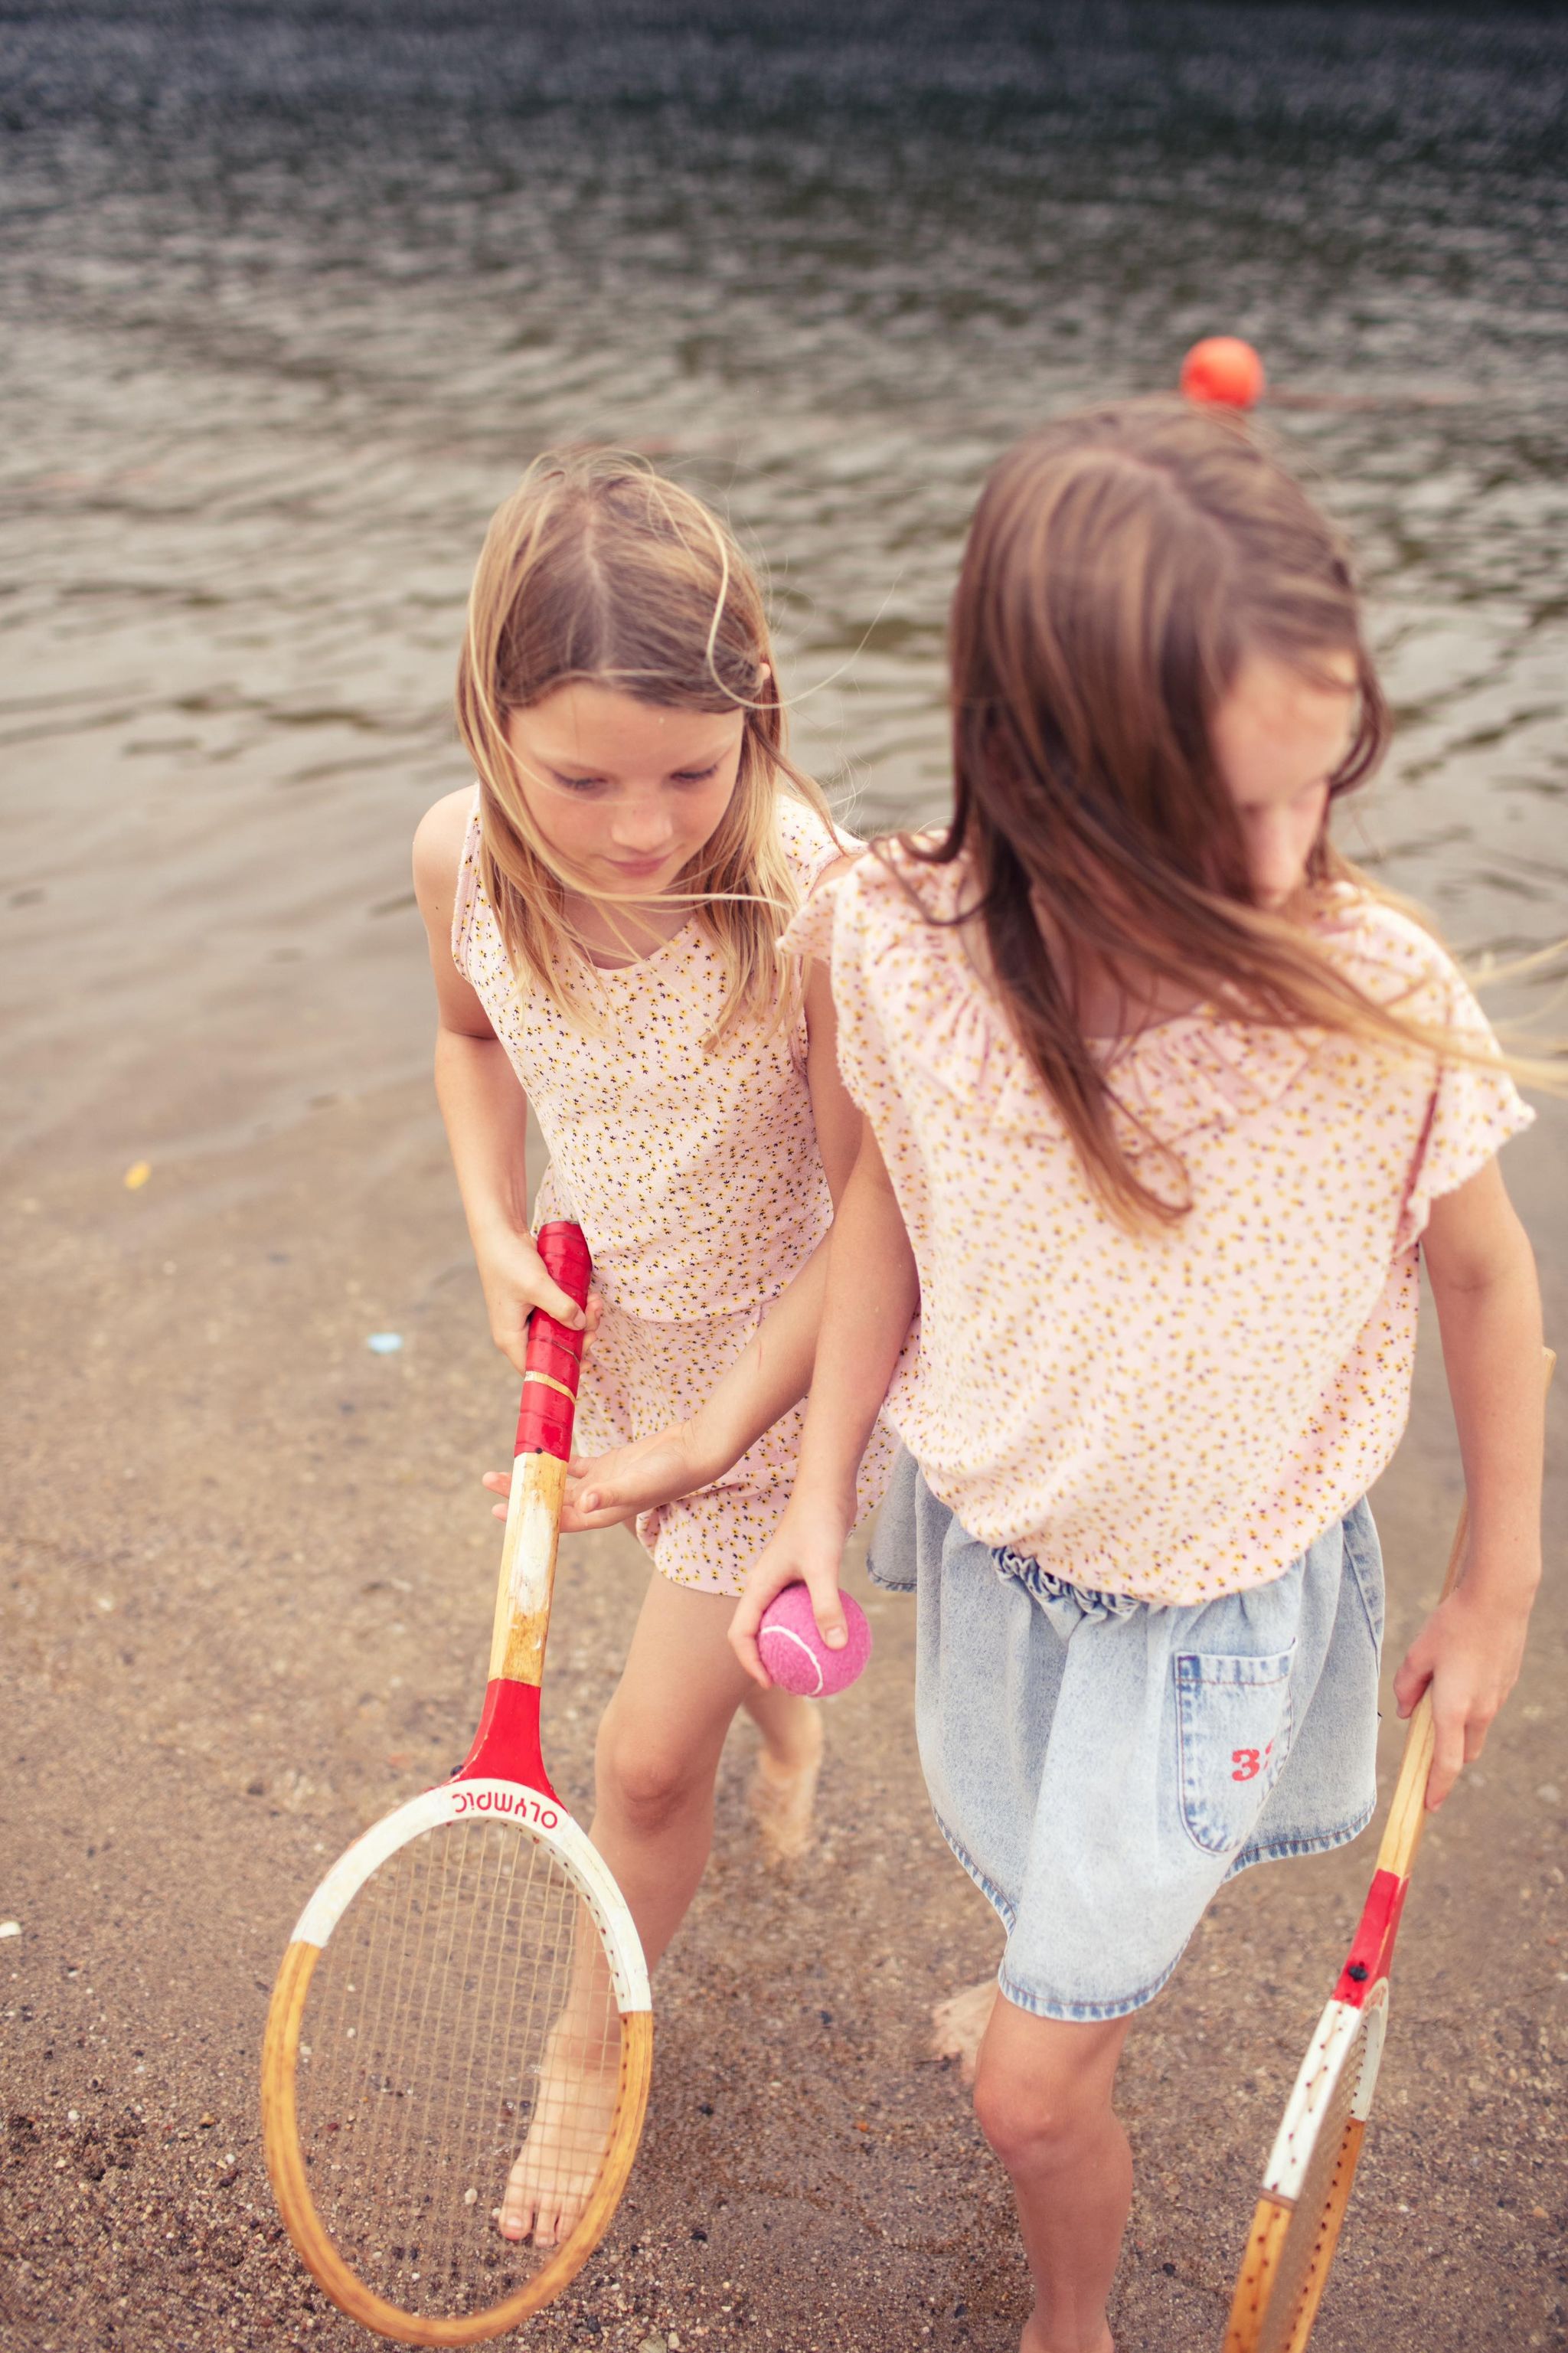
pixel 873 1293
pixel 483 1106
pixel 772 1374
pixel 1489 1309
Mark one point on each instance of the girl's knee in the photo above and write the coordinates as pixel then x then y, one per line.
pixel 1025 2127
pixel 647 1784
pixel 1033 2118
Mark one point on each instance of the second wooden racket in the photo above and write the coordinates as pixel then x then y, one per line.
pixel 1312 2166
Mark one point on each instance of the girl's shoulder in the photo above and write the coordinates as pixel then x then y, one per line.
pixel 444 848
pixel 888 892
pixel 1391 954
pixel 447 880
pixel 809 842
pixel 440 842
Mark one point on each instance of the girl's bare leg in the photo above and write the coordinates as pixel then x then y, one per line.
pixel 657 1760
pixel 783 1788
pixel 1042 2094
pixel 659 1745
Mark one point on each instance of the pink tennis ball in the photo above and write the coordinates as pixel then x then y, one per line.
pixel 1224 370
pixel 794 1653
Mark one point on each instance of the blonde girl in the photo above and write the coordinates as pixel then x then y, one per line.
pixel 1163 1100
pixel 603 910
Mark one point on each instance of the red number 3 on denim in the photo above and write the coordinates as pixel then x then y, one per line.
pixel 1249 1762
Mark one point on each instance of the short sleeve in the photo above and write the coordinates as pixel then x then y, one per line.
pixel 1472 1113
pixel 810 933
pixel 832 928
pixel 810 845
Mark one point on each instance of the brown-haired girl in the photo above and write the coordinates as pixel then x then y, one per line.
pixel 1161 1099
pixel 604 912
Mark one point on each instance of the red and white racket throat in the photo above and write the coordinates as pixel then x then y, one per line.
pixel 1359 2006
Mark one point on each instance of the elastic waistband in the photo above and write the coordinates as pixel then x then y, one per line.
pixel 1081 1603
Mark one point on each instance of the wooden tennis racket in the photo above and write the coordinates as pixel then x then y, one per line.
pixel 1312 2166
pixel 466 1985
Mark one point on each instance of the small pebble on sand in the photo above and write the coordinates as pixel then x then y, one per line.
pixel 384 1343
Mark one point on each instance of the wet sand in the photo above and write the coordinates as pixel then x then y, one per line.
pixel 247 1594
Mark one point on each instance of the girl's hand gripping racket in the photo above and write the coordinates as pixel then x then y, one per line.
pixel 457 2050
pixel 1307 2183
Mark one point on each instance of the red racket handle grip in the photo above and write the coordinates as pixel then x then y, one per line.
pixel 554 1354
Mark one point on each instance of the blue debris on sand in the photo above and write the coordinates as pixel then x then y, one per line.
pixel 384 1343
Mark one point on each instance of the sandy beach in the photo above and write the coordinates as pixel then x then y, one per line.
pixel 248 1593
pixel 284 311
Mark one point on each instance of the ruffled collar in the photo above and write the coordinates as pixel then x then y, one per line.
pixel 1202 1070
pixel 1198 1070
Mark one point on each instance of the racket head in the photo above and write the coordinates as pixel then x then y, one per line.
pixel 409 2053
pixel 1311 2171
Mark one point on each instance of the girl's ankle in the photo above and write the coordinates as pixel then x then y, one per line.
pixel 1036 2341
pixel 1104 2343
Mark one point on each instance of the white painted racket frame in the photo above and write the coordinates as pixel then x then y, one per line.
pixel 530 1812
pixel 1327 2053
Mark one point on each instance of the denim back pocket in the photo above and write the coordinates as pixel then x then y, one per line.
pixel 1234 1720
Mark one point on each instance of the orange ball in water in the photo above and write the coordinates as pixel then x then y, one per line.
pixel 1223 368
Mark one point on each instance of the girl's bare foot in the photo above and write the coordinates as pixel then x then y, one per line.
pixel 783 1791
pixel 554 2176
pixel 958 2029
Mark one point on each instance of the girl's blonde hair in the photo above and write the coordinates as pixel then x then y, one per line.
pixel 599 569
pixel 1121 565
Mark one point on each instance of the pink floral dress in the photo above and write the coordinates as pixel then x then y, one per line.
pixel 697 1178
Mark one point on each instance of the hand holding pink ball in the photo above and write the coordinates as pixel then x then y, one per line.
pixel 794 1653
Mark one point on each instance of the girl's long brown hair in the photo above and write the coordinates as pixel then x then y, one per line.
pixel 1119 566
pixel 597 568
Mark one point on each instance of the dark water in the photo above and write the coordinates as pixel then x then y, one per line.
pixel 289 295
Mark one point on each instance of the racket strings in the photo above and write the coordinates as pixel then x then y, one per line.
pixel 461 2019
pixel 1309 2241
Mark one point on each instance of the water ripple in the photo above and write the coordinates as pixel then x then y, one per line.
pixel 284 308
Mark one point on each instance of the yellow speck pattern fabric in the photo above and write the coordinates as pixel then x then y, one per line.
pixel 697 1178
pixel 1170 1414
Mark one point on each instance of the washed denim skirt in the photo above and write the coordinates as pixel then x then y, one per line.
pixel 1100 1765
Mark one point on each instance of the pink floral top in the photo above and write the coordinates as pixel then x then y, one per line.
pixel 695 1174
pixel 1173 1414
